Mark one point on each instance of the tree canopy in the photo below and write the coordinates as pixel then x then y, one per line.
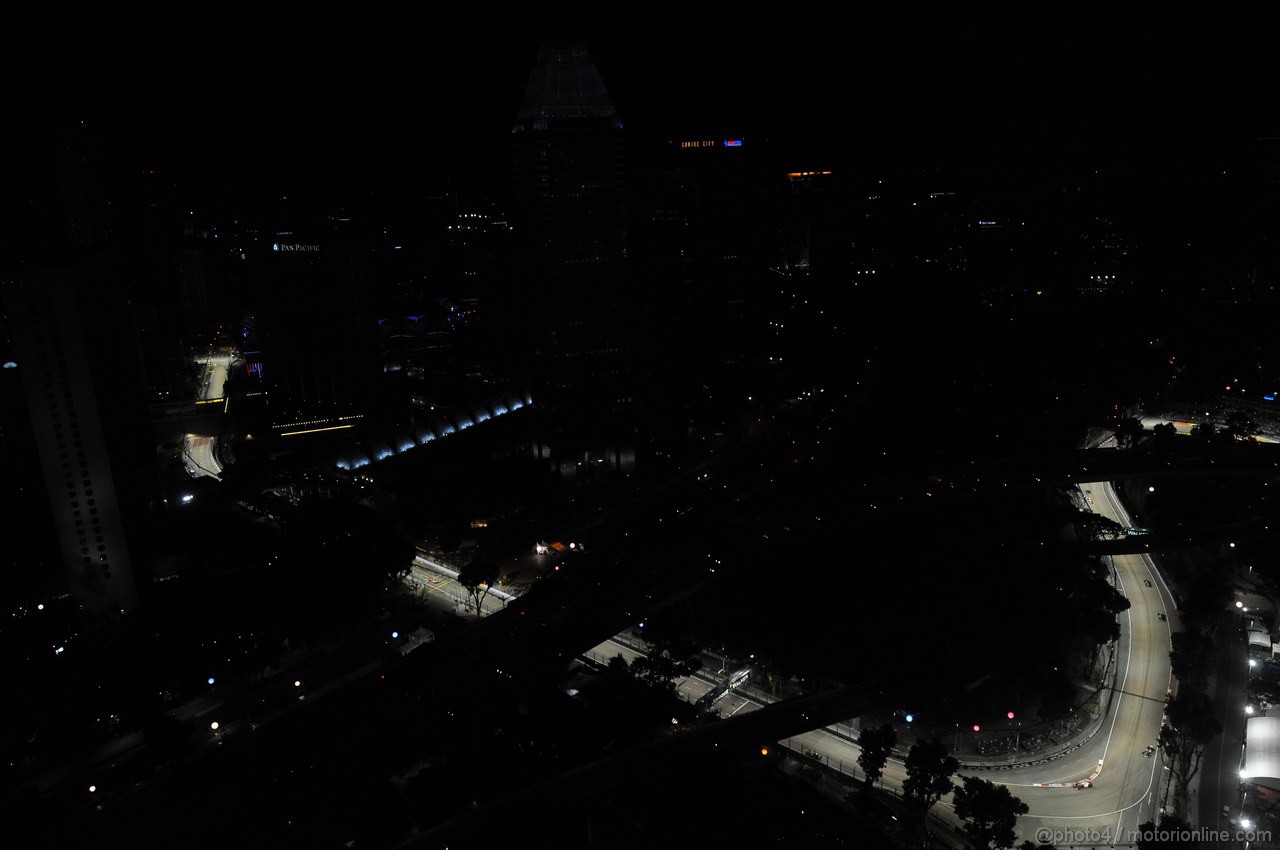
pixel 667 662
pixel 989 811
pixel 1192 725
pixel 876 744
pixel 477 578
pixel 930 767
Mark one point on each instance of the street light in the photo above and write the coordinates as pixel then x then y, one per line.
pixel 214 726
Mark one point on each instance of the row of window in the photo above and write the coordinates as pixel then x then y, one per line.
pixel 68 438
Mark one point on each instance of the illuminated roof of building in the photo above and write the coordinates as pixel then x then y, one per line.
pixel 1262 752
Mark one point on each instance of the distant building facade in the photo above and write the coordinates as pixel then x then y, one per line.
pixel 319 347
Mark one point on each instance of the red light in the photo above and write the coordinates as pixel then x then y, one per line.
pixel 1009 715
pixel 977 728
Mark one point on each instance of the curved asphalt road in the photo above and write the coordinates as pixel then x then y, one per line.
pixel 1127 786
pixel 199 453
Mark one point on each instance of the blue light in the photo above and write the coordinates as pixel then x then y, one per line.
pixel 210 680
pixel 1267 397
pixel 910 717
pixel 395 635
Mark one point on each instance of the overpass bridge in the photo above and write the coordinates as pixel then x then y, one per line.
pixel 172 421
pixel 684 750
pixel 1145 544
pixel 1089 466
pixel 1187 461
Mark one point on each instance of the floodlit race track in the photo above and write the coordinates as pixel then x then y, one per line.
pixel 1126 786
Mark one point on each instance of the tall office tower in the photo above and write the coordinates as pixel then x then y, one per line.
pixel 709 195
pixel 86 208
pixel 574 285
pixel 319 345
pixel 62 380
pixel 703 240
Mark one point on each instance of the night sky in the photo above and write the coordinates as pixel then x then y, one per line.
pixel 384 101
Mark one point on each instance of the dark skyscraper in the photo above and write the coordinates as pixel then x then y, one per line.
pixel 574 279
pixel 30 553
pixel 318 342
pixel 702 239
pixel 82 465
pixel 70 295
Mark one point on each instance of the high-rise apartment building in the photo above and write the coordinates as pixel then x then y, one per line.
pixel 67 403
pixel 72 294
pixel 29 560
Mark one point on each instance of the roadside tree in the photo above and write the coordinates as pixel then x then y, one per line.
pixel 989 811
pixel 876 745
pixel 930 767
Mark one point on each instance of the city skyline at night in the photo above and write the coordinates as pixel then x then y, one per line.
pixel 430 436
